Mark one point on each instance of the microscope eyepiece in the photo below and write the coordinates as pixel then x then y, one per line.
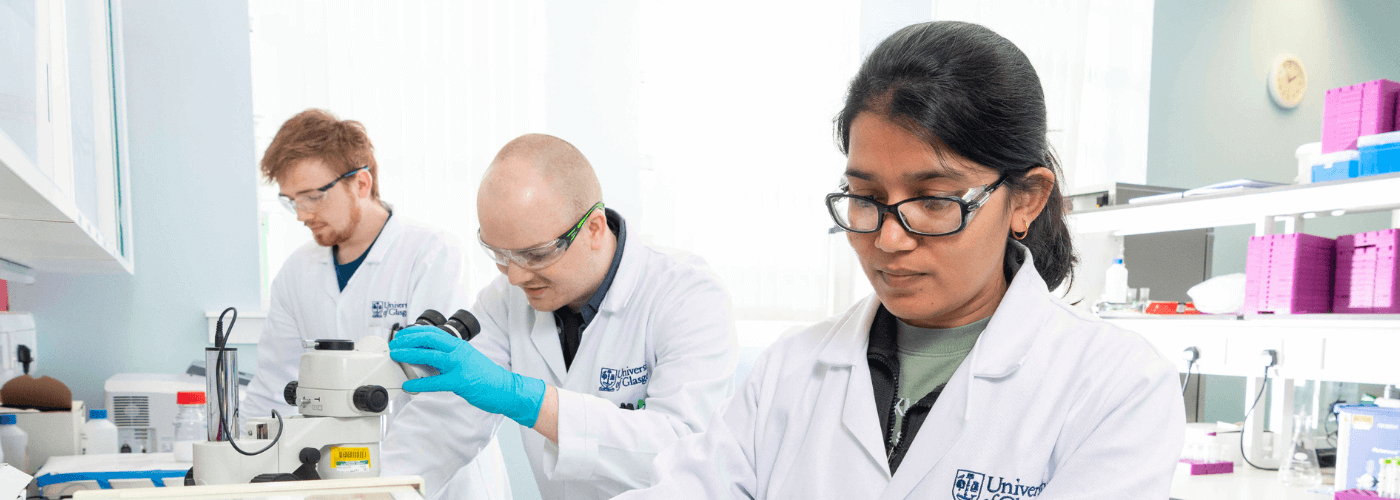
pixel 431 318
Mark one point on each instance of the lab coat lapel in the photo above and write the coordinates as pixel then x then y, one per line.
pixel 999 352
pixel 545 336
pixel 844 354
pixel 939 432
pixel 326 269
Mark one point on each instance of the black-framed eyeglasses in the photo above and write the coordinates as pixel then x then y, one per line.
pixel 539 256
pixel 922 215
pixel 311 200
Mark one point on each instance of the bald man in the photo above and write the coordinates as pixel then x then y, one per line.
pixel 603 350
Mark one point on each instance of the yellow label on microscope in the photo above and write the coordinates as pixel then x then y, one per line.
pixel 350 459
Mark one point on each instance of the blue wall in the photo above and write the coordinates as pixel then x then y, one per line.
pixel 1211 118
pixel 193 206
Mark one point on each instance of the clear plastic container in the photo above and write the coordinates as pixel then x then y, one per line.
pixel 99 434
pixel 1300 467
pixel 13 442
pixel 190 424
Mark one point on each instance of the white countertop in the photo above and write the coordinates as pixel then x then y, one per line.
pixel 1245 483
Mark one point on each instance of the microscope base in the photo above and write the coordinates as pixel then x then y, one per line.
pixel 349 448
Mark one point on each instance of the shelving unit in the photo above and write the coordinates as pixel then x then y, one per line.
pixel 1332 347
pixel 1261 207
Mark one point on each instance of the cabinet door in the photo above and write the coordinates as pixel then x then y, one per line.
pixel 91 115
pixel 20 83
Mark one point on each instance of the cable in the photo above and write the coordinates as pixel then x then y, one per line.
pixel 221 385
pixel 1244 455
pixel 1187 383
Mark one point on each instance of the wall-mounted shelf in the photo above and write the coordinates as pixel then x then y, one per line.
pixel 1360 195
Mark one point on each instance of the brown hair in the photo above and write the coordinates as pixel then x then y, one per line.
pixel 316 133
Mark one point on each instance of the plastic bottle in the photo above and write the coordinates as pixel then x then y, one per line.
pixel 99 434
pixel 190 425
pixel 1115 284
pixel 14 441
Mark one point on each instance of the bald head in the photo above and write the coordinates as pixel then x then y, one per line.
pixel 536 190
pixel 540 172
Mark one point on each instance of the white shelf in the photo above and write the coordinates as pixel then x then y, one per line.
pixel 45 233
pixel 1360 195
pixel 1333 347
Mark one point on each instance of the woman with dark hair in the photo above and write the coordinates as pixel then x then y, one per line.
pixel 962 374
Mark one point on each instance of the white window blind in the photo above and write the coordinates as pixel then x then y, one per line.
pixel 439 84
pixel 736 117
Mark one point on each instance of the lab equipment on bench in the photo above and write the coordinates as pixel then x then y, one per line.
pixel 1208 449
pixel 1366 436
pixel 190 426
pixel 65 476
pixel 344 388
pixel 99 434
pixel 386 488
pixel 1299 466
pixel 51 433
pixel 143 407
pixel 14 442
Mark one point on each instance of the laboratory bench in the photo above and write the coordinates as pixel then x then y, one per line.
pixel 1244 483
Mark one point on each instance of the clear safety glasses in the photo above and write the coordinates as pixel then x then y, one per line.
pixel 540 256
pixel 923 215
pixel 310 201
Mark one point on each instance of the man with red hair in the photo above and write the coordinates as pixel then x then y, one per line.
pixel 368 270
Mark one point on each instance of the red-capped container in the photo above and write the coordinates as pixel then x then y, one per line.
pixel 189 398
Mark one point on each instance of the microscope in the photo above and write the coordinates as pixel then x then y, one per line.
pixel 345 388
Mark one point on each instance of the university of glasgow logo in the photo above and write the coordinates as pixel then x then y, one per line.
pixel 384 309
pixel 612 379
pixel 968 485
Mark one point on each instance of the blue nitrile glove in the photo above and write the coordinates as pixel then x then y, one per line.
pixel 468 373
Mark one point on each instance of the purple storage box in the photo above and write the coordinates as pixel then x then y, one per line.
pixel 1367 273
pixel 1289 274
pixel 1356 110
pixel 1199 468
pixel 1355 495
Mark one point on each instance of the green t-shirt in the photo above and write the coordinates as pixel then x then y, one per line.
pixel 927 359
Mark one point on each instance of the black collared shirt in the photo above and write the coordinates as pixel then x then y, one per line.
pixel 571 323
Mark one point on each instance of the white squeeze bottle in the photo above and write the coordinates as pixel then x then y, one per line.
pixel 14 441
pixel 99 434
pixel 1115 284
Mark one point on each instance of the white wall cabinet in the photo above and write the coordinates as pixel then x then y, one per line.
pixel 64 195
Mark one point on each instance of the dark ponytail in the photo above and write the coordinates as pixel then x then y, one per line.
pixel 962 87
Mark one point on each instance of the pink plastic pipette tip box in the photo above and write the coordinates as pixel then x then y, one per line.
pixel 1355 110
pixel 1199 468
pixel 1355 495
pixel 1367 276
pixel 1289 274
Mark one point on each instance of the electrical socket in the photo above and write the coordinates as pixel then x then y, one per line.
pixel 1191 354
pixel 1269 357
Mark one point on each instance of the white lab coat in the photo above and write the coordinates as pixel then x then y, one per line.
pixel 1051 403
pixel 664 334
pixel 410 268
